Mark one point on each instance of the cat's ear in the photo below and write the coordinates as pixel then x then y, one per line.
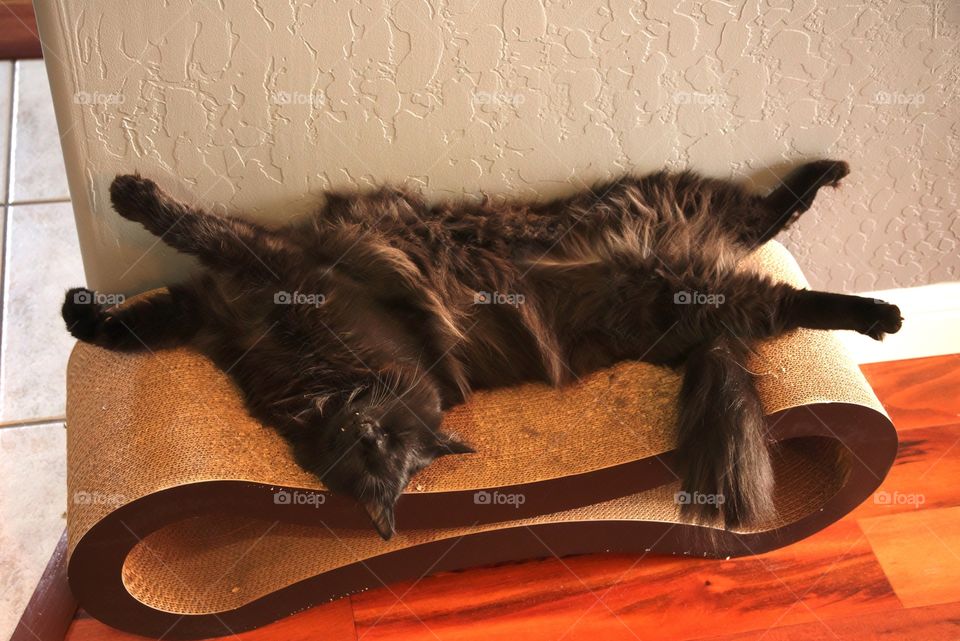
pixel 381 513
pixel 449 444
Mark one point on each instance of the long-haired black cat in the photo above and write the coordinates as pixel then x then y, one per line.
pixel 352 331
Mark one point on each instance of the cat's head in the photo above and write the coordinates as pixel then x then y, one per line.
pixel 376 438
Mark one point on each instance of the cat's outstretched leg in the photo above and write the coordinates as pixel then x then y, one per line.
pixel 783 205
pixel 826 310
pixel 751 306
pixel 163 320
pixel 220 242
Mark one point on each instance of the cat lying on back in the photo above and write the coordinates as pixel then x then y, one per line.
pixel 352 331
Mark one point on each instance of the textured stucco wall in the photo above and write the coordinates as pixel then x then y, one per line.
pixel 252 105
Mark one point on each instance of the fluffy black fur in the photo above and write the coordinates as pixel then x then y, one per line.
pixel 352 331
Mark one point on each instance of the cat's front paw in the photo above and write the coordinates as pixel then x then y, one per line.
pixel 133 197
pixel 879 318
pixel 82 313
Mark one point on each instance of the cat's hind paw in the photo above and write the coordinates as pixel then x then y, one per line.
pixel 879 318
pixel 828 173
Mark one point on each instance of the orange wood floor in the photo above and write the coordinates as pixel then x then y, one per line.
pixel 889 570
pixel 18 30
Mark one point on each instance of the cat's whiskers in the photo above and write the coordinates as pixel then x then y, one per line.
pixel 416 379
pixel 355 393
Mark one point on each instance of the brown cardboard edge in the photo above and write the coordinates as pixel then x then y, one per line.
pixel 96 563
pixel 52 606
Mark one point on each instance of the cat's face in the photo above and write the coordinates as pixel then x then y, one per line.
pixel 377 439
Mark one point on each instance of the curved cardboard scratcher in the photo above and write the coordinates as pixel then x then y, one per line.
pixel 189 519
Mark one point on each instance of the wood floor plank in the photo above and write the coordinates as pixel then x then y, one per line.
pixel 919 392
pixel 18 30
pixel 331 622
pixel 931 623
pixel 924 475
pixel 919 552
pixel 600 597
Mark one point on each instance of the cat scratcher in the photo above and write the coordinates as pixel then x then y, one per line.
pixel 188 518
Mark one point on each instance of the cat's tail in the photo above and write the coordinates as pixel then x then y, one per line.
pixel 722 448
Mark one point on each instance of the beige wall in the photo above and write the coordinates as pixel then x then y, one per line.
pixel 255 104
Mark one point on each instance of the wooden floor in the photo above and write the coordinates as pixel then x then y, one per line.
pixel 889 570
pixel 18 30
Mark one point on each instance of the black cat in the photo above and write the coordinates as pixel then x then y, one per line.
pixel 352 331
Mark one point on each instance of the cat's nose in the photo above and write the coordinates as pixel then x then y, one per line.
pixel 368 431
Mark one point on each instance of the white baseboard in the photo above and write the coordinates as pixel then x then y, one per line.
pixel 931 325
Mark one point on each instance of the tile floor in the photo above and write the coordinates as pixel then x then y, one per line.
pixel 41 259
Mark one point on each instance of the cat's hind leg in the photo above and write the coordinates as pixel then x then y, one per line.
pixel 760 218
pixel 159 321
pixel 795 195
pixel 220 242
pixel 826 310
pixel 752 306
